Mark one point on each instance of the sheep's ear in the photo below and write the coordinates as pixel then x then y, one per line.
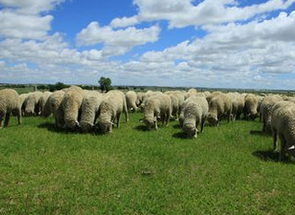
pixel 291 147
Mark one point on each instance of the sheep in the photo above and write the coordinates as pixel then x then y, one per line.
pixel 195 111
pixel 212 95
pixel 238 104
pixel 139 99
pixel 111 108
pixel 283 125
pixel 251 105
pixel 32 103
pixel 177 99
pixel 266 110
pixel 43 100
pixel 157 106
pixel 53 106
pixel 71 104
pixel 131 98
pixel 9 103
pixel 191 92
pixel 219 107
pixel 22 98
pixel 89 110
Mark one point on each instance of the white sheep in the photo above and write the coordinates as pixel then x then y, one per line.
pixel 251 106
pixel 43 100
pixel 89 110
pixel 53 106
pixel 195 111
pixel 266 109
pixel 22 98
pixel 31 103
pixel 71 105
pixel 111 108
pixel 9 103
pixel 283 125
pixel 158 106
pixel 131 98
pixel 220 107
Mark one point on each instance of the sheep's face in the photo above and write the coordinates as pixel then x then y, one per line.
pixel 72 124
pixel 213 121
pixel 150 123
pixel 86 126
pixel 106 127
pixel 190 131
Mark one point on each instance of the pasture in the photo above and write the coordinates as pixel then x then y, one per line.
pixel 229 169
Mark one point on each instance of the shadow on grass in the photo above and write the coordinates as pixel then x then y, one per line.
pixel 52 128
pixel 180 135
pixel 176 126
pixel 141 128
pixel 271 155
pixel 258 133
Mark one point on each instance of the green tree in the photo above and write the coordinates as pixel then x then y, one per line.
pixel 105 84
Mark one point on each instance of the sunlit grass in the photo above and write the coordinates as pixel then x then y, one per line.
pixel 228 169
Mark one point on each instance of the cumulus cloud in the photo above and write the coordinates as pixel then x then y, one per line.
pixel 124 22
pixel 30 6
pixel 119 41
pixel 181 13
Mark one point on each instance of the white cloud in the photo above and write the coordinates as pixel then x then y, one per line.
pixel 30 6
pixel 117 42
pixel 124 22
pixel 15 25
pixel 181 13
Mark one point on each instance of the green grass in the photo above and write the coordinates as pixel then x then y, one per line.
pixel 228 169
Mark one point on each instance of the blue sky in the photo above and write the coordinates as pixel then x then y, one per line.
pixel 192 43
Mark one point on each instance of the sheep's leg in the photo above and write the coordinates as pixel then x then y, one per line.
pixel 1 121
pixel 202 124
pixel 7 118
pixel 274 137
pixel 19 118
pixel 283 145
pixel 125 109
pixel 156 124
pixel 118 120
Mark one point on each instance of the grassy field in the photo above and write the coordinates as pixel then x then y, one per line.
pixel 228 169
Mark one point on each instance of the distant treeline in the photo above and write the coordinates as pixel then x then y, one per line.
pixel 60 85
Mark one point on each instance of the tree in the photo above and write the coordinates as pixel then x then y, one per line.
pixel 105 84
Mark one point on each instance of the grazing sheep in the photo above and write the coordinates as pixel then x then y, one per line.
pixel 157 106
pixel 31 103
pixel 9 103
pixel 283 125
pixel 111 108
pixel 89 110
pixel 219 107
pixel 53 106
pixel 251 106
pixel 22 98
pixel 43 100
pixel 131 99
pixel 266 110
pixel 139 99
pixel 71 105
pixel 238 104
pixel 195 111
pixel 212 95
pixel 191 92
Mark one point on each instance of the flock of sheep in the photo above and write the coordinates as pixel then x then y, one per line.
pixel 76 109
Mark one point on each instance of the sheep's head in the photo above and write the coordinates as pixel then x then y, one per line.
pixel 86 126
pixel 106 127
pixel 190 131
pixel 213 121
pixel 150 122
pixel 72 124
